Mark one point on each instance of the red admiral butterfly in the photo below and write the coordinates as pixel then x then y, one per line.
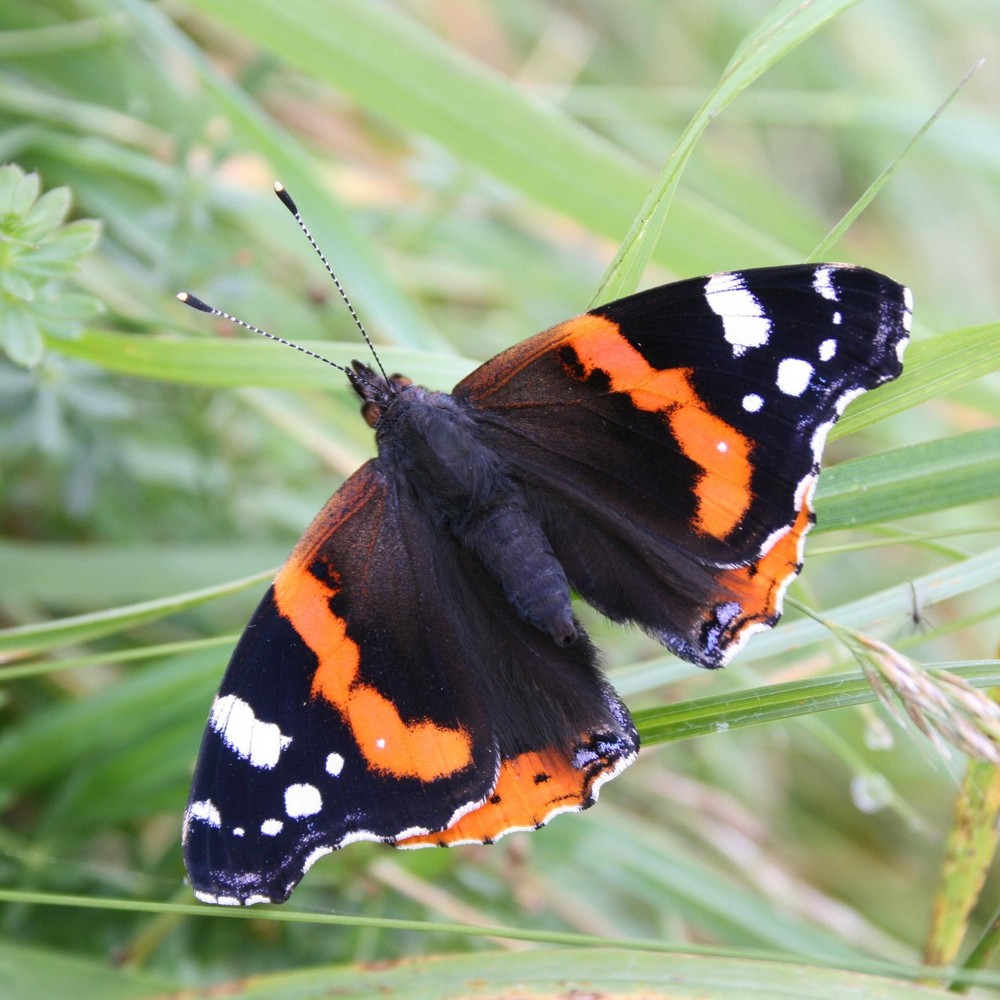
pixel 415 674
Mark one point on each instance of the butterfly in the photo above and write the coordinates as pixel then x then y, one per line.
pixel 415 674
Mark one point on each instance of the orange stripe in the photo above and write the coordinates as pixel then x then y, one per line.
pixel 520 800
pixel 758 587
pixel 721 452
pixel 390 746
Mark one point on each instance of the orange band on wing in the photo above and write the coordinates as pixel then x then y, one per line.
pixel 531 788
pixel 721 452
pixel 420 750
pixel 760 587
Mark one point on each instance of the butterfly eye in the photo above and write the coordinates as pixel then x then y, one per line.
pixel 371 412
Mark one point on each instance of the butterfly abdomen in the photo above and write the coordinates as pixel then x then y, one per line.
pixel 511 544
pixel 431 443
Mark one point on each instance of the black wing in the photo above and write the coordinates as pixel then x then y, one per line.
pixel 671 440
pixel 384 690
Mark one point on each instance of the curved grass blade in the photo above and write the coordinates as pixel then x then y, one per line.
pixel 786 26
pixel 822 249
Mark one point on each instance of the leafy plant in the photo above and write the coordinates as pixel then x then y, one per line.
pixel 38 251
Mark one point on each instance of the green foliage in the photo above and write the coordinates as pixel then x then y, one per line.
pixel 470 170
pixel 36 251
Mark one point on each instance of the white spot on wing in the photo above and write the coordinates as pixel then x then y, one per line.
pixel 334 764
pixel 380 743
pixel 271 827
pixel 793 376
pixel 837 318
pixel 827 349
pixel 752 402
pixel 238 831
pixel 744 323
pixel 823 283
pixel 258 742
pixel 722 446
pixel 204 811
pixel 302 800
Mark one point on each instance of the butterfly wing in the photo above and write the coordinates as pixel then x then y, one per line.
pixel 671 440
pixel 384 690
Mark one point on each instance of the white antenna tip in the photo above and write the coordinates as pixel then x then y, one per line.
pixel 286 198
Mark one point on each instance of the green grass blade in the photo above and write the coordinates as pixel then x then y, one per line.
pixel 933 369
pixel 822 249
pixel 971 849
pixel 885 608
pixel 870 613
pixel 396 69
pixel 936 475
pixel 776 702
pixel 86 576
pixel 785 27
pixel 334 228
pixel 28 971
pixel 255 362
pixel 982 955
pixel 618 968
pixel 114 727
pixel 82 628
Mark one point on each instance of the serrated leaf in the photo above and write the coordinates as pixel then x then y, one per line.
pixel 20 337
pixel 18 191
pixel 46 214
pixel 57 256
pixel 62 314
pixel 81 235
pixel 14 283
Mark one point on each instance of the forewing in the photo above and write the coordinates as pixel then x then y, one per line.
pixel 671 440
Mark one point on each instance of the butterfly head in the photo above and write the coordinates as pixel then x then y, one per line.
pixel 376 390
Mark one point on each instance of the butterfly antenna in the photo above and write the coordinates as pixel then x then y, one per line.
pixel 195 303
pixel 286 200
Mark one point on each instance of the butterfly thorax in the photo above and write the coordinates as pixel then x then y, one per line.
pixel 431 447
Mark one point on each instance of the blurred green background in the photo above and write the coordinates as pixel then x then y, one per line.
pixel 470 169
